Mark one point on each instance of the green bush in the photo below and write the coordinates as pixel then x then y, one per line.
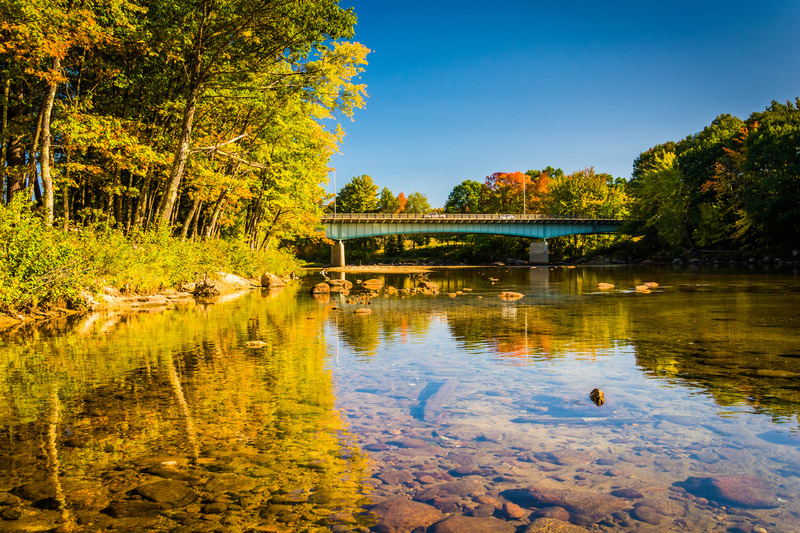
pixel 37 264
pixel 43 265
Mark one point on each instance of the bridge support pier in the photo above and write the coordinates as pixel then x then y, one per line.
pixel 337 254
pixel 538 253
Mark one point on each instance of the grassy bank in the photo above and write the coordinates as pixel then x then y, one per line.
pixel 43 266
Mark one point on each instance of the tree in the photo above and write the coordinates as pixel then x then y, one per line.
pixel 417 202
pixel 585 193
pixel 388 202
pixel 360 195
pixel 465 198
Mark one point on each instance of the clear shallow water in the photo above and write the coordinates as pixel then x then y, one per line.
pixel 171 421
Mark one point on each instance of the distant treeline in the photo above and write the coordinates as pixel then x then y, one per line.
pixel 734 185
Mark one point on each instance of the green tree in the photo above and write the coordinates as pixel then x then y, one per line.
pixel 360 195
pixel 417 202
pixel 465 198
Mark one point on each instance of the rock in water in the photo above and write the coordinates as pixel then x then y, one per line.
pixel 399 515
pixel 321 288
pixel 431 407
pixel 597 397
pixel 584 507
pixel 742 491
pixel 270 280
pixel 469 524
pixel 508 295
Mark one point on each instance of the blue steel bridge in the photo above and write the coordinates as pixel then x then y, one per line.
pixel 344 226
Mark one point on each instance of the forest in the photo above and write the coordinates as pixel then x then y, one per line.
pixel 144 142
pixel 157 123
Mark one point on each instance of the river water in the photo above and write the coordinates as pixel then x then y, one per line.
pixel 285 412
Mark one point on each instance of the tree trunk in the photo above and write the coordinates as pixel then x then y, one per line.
pixel 44 162
pixel 268 237
pixel 181 155
pixel 141 202
pixel 197 220
pixel 217 212
pixel 4 130
pixel 190 218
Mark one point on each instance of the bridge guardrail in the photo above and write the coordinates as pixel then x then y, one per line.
pixel 457 217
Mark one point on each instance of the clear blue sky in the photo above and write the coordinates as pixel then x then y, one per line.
pixel 459 90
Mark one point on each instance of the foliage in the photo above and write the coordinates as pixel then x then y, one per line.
pixel 41 265
pixel 733 185
pixel 465 198
pixel 359 195
pixel 36 264
pixel 417 202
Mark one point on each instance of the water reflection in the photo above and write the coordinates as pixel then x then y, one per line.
pixel 259 414
pixel 171 422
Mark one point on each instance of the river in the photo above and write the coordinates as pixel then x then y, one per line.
pixel 286 412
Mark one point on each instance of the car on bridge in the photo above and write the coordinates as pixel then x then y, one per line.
pixel 507 217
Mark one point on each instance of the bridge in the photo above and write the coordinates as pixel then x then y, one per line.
pixel 343 226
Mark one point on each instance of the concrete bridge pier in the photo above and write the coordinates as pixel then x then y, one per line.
pixel 337 254
pixel 538 253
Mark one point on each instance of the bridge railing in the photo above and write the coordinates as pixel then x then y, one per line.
pixel 456 217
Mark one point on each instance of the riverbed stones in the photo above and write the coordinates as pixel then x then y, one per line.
pixel 605 286
pixel 627 493
pixel 569 457
pixel 555 512
pixel 645 513
pixel 132 508
pixel 168 492
pixel 584 507
pixel 454 488
pixel 229 483
pixel 471 524
pixel 743 491
pixel 552 525
pixel 401 515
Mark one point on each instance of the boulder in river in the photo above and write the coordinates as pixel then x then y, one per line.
pixel 603 286
pixel 339 285
pixel 741 491
pixel 321 288
pixel 471 524
pixel 508 295
pixel 429 286
pixel 373 284
pixel 401 515
pixel 584 507
pixel 270 280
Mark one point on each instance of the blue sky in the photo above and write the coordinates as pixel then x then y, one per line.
pixel 459 90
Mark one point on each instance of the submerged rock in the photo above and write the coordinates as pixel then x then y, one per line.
pixel 169 492
pixel 471 524
pixel 401 515
pixel 552 525
pixel 584 507
pixel 742 491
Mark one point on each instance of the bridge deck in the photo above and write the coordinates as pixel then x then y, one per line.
pixel 476 218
